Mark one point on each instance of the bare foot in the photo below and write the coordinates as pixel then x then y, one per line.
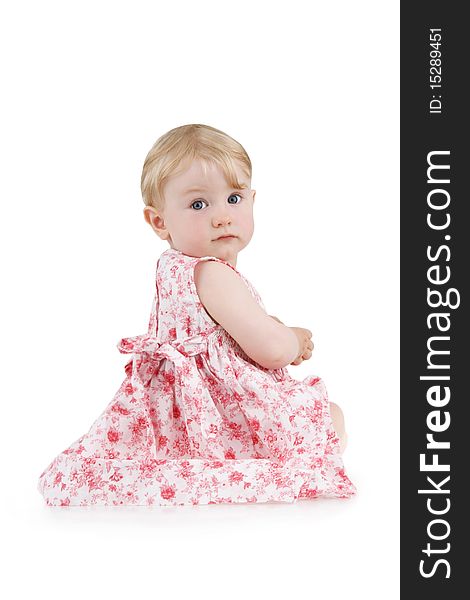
pixel 343 442
pixel 338 423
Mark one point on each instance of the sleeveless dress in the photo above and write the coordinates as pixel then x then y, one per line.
pixel 197 421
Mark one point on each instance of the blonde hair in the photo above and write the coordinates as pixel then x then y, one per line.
pixel 190 142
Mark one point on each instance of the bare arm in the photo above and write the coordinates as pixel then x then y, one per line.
pixel 230 303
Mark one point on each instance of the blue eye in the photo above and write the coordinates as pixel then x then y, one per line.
pixel 232 196
pixel 197 202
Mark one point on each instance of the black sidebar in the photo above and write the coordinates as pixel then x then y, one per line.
pixel 434 299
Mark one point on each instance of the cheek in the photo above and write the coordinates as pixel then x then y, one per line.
pixel 194 228
pixel 247 220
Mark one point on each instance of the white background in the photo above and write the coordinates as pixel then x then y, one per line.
pixel 311 91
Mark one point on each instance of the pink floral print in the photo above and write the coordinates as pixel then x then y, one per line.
pixel 197 421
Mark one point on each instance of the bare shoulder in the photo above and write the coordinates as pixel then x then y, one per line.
pixel 211 276
pixel 221 290
pixel 206 269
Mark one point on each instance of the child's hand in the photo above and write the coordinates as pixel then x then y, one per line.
pixel 304 337
pixel 305 342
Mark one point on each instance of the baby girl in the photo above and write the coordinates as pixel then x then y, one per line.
pixel 208 412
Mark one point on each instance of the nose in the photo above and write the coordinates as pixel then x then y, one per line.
pixel 220 220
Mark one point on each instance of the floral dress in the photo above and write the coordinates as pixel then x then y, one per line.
pixel 197 421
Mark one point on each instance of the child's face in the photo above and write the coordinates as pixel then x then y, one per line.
pixel 192 219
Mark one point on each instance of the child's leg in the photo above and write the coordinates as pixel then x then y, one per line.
pixel 338 423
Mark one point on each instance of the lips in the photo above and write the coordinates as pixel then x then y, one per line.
pixel 223 237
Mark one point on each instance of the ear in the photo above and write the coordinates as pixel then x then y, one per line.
pixel 155 219
pixel 254 194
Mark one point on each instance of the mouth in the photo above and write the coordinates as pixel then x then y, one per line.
pixel 225 237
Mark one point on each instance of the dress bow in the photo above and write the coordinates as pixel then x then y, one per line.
pixel 148 352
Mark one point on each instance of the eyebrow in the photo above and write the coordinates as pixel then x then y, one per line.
pixel 194 189
pixel 198 189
